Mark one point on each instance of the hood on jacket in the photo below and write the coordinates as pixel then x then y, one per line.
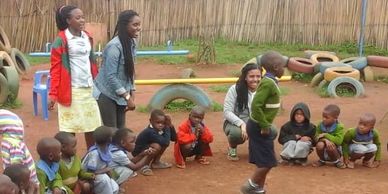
pixel 11 126
pixel 305 109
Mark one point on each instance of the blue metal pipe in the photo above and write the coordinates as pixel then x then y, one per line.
pixel 138 53
pixel 362 30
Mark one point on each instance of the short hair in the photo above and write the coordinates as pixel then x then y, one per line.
pixel 155 113
pixel 121 134
pixel 198 109
pixel 45 146
pixel 333 110
pixel 64 137
pixel 368 117
pixel 15 171
pixel 102 135
pixel 62 14
pixel 271 59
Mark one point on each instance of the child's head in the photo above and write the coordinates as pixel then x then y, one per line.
pixel 103 135
pixel 300 113
pixel 330 114
pixel 49 149
pixel 68 142
pixel 158 119
pixel 367 123
pixel 7 186
pixel 11 125
pixel 19 174
pixel 274 63
pixel 125 138
pixel 196 115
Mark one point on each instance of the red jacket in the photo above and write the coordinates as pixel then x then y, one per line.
pixel 185 136
pixel 60 84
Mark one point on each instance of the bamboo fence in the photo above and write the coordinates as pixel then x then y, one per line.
pixel 31 23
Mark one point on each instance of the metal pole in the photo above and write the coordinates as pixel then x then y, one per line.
pixel 363 18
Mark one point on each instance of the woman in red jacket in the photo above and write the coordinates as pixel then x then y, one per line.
pixel 72 71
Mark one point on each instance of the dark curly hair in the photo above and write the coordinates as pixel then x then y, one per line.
pixel 242 86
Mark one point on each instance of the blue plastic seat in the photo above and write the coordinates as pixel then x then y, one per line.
pixel 41 87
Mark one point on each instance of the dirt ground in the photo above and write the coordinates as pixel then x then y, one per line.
pixel 223 176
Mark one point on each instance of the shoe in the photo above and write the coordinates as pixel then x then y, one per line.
pixel 146 171
pixel 340 165
pixel 160 165
pixel 249 189
pixel 232 154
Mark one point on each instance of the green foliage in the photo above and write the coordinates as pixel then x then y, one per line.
pixel 345 90
pixel 179 105
pixel 217 107
pixel 37 60
pixel 220 88
pixel 11 103
pixel 302 77
pixel 141 108
pixel 322 91
pixel 382 78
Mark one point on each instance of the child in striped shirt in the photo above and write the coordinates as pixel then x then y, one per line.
pixel 13 148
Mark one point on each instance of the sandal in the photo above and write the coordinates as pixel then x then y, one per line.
pixel 160 165
pixel 203 160
pixel 146 171
pixel 340 165
pixel 319 163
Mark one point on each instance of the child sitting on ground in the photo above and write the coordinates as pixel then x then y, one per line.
pixel 157 135
pixel 362 141
pixel 97 161
pixel 49 150
pixel 7 186
pixel 123 163
pixel 13 148
pixel 329 137
pixel 20 175
pixel 297 136
pixel 193 139
pixel 73 176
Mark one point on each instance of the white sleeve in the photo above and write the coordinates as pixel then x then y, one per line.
pixel 230 105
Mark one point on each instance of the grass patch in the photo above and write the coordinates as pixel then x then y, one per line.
pixel 322 91
pixel 302 77
pixel 219 88
pixel 382 78
pixel 37 60
pixel 11 103
pixel 142 109
pixel 345 90
pixel 179 105
pixel 284 91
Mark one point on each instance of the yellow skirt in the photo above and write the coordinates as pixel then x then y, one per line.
pixel 83 115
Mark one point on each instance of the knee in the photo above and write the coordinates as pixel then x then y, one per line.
pixel 320 146
pixel 86 187
pixel 185 149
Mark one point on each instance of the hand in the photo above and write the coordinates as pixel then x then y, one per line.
pixel 322 135
pixel 57 190
pixel 130 105
pixel 199 128
pixel 305 139
pixel 297 137
pixel 168 121
pixel 244 134
pixel 265 131
pixel 346 161
pixel 330 145
pixel 51 104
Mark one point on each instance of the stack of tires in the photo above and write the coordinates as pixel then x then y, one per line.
pixel 13 63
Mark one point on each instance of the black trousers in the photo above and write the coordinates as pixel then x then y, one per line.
pixel 112 114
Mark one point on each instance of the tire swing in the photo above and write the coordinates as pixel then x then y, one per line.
pixel 21 63
pixel 334 72
pixel 301 65
pixel 4 41
pixel 4 91
pixel 176 91
pixel 347 83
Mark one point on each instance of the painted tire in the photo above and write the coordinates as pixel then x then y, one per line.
pixel 301 65
pixel 21 63
pixel 187 73
pixel 359 63
pixel 348 60
pixel 353 83
pixel 177 91
pixel 5 59
pixel 316 79
pixel 4 41
pixel 367 74
pixel 323 57
pixel 334 72
pixel 322 84
pixel 12 77
pixel 377 61
pixel 309 53
pixel 4 91
pixel 324 65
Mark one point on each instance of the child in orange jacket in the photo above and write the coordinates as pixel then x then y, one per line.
pixel 193 139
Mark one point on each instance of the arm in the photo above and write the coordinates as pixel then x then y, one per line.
pixel 112 61
pixel 42 181
pixel 162 140
pixel 376 140
pixel 258 103
pixel 285 134
pixel 55 69
pixel 349 135
pixel 184 134
pixel 207 136
pixel 57 182
pixel 337 136
pixel 230 106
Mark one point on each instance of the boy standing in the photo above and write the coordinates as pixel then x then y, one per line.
pixel 265 105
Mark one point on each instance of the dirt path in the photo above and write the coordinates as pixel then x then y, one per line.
pixel 223 176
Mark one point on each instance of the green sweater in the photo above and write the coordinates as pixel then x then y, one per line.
pixel 337 136
pixel 265 103
pixel 45 183
pixel 70 175
pixel 350 135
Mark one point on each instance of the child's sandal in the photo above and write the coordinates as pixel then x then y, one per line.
pixel 203 161
pixel 146 171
